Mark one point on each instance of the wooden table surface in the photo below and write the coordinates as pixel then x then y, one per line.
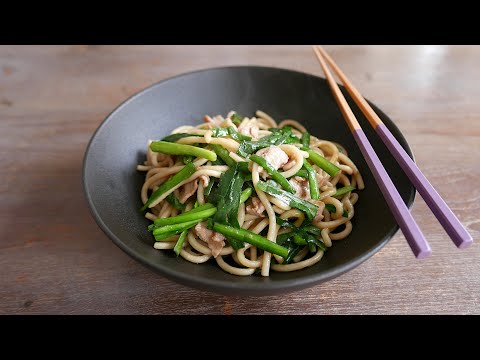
pixel 55 260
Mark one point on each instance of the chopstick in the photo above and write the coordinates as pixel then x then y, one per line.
pixel 415 239
pixel 453 227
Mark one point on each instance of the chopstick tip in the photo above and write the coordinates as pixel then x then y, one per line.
pixel 423 254
pixel 465 243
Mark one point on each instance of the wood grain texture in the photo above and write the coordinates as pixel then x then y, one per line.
pixel 55 260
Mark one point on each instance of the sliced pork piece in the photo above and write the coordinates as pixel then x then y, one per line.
pixel 214 240
pixel 290 164
pixel 188 190
pixel 249 128
pixel 321 207
pixel 255 208
pixel 212 122
pixel 322 181
pixel 205 180
pixel 302 188
pixel 274 156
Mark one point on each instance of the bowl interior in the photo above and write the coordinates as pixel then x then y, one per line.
pixel 112 184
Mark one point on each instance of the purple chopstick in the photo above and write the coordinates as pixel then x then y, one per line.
pixel 415 239
pixel 440 209
pixel 421 249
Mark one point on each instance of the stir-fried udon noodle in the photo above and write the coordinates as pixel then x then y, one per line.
pixel 252 194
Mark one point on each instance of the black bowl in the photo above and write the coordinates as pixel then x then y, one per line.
pixel 112 184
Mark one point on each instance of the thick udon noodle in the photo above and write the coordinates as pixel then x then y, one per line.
pixel 334 226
